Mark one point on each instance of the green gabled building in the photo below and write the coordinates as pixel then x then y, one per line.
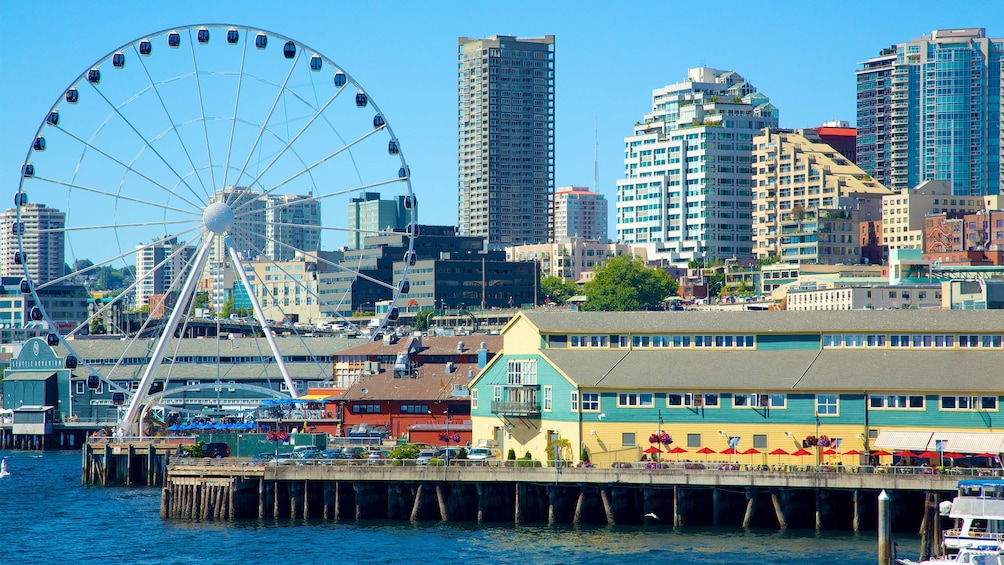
pixel 607 381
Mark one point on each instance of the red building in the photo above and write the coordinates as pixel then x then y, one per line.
pixel 415 382
pixel 842 138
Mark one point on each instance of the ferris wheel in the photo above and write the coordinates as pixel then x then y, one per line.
pixel 220 164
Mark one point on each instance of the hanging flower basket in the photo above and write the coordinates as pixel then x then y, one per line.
pixel 443 436
pixel 664 438
pixel 278 436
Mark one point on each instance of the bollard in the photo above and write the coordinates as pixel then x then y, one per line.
pixel 884 529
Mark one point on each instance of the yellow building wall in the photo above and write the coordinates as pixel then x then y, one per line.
pixel 521 337
pixel 526 437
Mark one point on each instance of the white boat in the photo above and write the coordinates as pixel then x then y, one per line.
pixel 971 555
pixel 978 510
pixel 3 468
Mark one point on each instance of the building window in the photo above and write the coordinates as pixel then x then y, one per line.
pixel 751 400
pixel 627 439
pixel 79 387
pixel 690 400
pixel 693 440
pixel 365 408
pixel 760 441
pixel 522 372
pixel 547 399
pixel 282 386
pixel 969 403
pixel 896 402
pixel 496 393
pixel 635 400
pixel 590 402
pixel 826 405
pixel 575 401
pixel 414 408
pixel 474 399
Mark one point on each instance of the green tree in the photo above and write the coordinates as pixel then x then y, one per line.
pixel 557 289
pixel 407 451
pixel 422 319
pixel 228 308
pixel 624 283
pixel 97 327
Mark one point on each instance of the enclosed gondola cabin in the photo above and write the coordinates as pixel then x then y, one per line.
pixel 118 398
pixel 403 173
pixel 393 314
pixel 173 39
pixel 118 60
pixel 289 50
pixel 72 96
pixel 361 99
pixel 39 144
pixel 25 286
pixel 27 170
pixel 17 228
pixel 405 286
pixel 392 147
pixel 202 36
pixel 315 62
pixel 18 258
pixel 261 41
pixel 21 198
pixel 70 362
pixel 233 36
pixel 93 382
pixel 145 47
pixel 340 79
pixel 52 339
pixel 36 313
pixel 53 118
pixel 411 258
pixel 378 121
pixel 94 76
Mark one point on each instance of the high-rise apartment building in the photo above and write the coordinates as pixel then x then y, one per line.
pixel 687 181
pixel 903 213
pixel 368 215
pixel 809 199
pixel 930 109
pixel 579 212
pixel 505 138
pixel 43 239
pixel 292 226
pixel 158 266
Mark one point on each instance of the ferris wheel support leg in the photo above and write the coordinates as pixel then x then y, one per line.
pixel 172 324
pixel 260 316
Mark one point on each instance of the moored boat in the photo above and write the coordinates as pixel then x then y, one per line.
pixel 970 555
pixel 978 510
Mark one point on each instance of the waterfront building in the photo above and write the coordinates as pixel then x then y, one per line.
pixel 158 266
pixel 808 199
pixel 977 294
pixel 687 186
pixel 43 243
pixel 607 381
pixel 862 295
pixel 903 213
pixel 579 213
pixel 505 138
pixel 572 259
pixel 776 277
pixel 400 383
pixel 930 109
pixel 369 215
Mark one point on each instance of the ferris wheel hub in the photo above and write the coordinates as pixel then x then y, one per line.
pixel 218 217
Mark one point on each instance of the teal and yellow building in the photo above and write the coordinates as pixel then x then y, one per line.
pixel 607 381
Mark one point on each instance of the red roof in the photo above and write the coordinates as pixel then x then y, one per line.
pixel 837 132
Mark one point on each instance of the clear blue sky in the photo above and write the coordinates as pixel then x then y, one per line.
pixel 608 58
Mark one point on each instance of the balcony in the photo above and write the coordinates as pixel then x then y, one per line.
pixel 506 408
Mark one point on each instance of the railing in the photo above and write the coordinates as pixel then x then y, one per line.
pixel 504 407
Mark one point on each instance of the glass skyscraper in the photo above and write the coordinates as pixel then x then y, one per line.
pixel 930 109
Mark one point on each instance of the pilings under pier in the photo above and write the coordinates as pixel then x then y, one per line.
pixel 213 490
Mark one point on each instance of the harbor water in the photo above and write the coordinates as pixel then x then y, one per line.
pixel 48 517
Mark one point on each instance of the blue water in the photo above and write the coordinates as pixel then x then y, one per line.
pixel 47 517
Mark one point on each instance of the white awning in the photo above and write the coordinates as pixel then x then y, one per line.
pixel 914 441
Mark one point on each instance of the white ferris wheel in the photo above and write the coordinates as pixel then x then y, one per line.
pixel 207 158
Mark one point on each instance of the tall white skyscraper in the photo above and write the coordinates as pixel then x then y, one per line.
pixel 44 243
pixel 505 138
pixel 158 265
pixel 687 183
pixel 292 223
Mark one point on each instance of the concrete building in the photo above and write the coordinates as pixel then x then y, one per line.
pixel 292 226
pixel 505 138
pixel 978 294
pixel 43 239
pixel 686 191
pixel 369 215
pixel 864 297
pixel 462 280
pixel 903 214
pixel 930 109
pixel 777 276
pixel 581 213
pixel 808 199
pixel 569 259
pixel 158 266
pixel 66 305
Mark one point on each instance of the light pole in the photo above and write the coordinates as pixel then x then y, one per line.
pixel 658 457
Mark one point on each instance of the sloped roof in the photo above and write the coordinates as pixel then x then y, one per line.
pixel 431 345
pixel 431 382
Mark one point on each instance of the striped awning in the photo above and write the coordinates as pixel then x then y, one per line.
pixel 894 440
pixel 956 442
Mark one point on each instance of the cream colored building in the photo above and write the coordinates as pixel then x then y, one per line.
pixel 903 214
pixel 808 199
pixel 572 259
pixel 864 297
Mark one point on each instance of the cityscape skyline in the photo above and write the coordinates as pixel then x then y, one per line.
pixel 589 122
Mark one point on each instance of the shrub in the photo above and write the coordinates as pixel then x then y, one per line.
pixel 512 454
pixel 462 453
pixel 584 456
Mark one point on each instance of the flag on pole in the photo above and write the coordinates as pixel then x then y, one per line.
pixel 734 441
pixel 442 386
pixel 836 442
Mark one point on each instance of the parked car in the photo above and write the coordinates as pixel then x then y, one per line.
pixel 335 453
pixel 480 454
pixel 378 455
pixel 425 456
pixel 216 450
pixel 261 458
pixel 306 452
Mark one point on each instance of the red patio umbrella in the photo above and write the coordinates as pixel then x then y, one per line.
pixel 779 452
pixel 953 455
pixel 985 454
pixel 677 450
pixel 705 451
pixel 802 453
pixel 904 453
pixel 653 449
pixel 830 451
pixel 852 452
pixel 729 451
pixel 881 453
pixel 928 455
pixel 751 452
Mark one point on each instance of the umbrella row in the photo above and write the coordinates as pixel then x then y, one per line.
pixel 211 426
pixel 803 452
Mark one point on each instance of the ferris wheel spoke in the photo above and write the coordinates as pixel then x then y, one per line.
pixel 202 108
pixel 264 123
pixel 170 120
pixel 110 260
pixel 115 226
pixel 116 196
pixel 132 170
pixel 142 138
pixel 328 157
pixel 289 143
pixel 237 101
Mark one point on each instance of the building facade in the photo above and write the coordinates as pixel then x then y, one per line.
pixel 579 213
pixel 369 215
pixel 158 266
pixel 505 146
pixel 687 186
pixel 43 240
pixel 930 109
pixel 292 225
pixel 808 199
pixel 903 214
pixel 569 259
pixel 607 381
